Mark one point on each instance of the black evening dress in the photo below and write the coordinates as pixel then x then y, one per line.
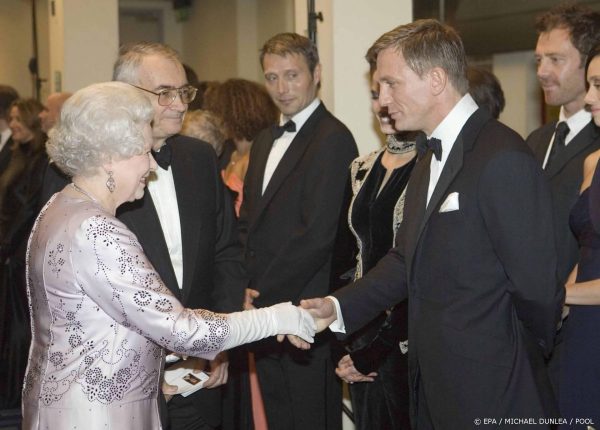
pixel 382 404
pixel 580 361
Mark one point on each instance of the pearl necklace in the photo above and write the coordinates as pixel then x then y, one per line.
pixel 104 206
pixel 84 192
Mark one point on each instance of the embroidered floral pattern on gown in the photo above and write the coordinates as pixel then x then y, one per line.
pixel 101 321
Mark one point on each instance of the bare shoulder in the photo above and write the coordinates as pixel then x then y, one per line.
pixel 591 161
pixel 589 167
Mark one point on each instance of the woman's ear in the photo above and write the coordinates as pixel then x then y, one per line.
pixel 107 166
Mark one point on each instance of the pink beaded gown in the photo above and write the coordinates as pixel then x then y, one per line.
pixel 101 320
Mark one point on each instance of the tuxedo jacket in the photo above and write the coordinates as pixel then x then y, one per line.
pixel 484 301
pixel 288 232
pixel 565 176
pixel 212 257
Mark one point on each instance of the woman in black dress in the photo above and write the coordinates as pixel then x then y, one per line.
pixel 376 365
pixel 579 395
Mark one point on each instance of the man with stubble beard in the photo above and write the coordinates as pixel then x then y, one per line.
pixel 293 194
pixel 566 33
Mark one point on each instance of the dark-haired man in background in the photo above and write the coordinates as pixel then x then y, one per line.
pixel 566 33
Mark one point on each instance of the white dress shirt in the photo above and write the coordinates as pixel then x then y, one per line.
pixel 576 123
pixel 162 190
pixel 447 131
pixel 281 145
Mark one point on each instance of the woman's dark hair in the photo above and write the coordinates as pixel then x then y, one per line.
pixel 29 111
pixel 485 89
pixel 244 106
pixel 594 52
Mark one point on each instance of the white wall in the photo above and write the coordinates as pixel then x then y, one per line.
pixel 209 43
pixel 247 39
pixel 324 44
pixel 16 42
pixel 83 37
pixel 274 16
pixel 516 73
pixel 172 30
pixel 222 38
pixel 349 28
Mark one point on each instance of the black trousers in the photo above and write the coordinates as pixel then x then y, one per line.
pixel 299 388
pixel 199 411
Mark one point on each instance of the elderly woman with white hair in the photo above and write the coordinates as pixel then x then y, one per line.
pixel 101 316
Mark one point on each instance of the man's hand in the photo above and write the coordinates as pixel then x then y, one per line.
pixel 168 391
pixel 322 311
pixel 249 298
pixel 218 371
pixel 294 340
pixel 347 372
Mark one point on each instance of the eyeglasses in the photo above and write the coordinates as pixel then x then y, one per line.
pixel 166 97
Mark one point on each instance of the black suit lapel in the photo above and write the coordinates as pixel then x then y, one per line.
pixel 464 143
pixel 580 142
pixel 141 217
pixel 422 211
pixel 260 155
pixel 290 159
pixel 414 208
pixel 451 168
pixel 540 150
pixel 189 206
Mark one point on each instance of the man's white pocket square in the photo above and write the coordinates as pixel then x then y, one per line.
pixel 451 203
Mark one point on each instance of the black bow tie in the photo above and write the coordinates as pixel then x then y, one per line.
pixel 433 144
pixel 163 157
pixel 278 130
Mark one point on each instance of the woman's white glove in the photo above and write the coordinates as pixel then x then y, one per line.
pixel 280 319
pixel 294 320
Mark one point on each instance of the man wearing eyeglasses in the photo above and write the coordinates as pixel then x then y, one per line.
pixel 185 223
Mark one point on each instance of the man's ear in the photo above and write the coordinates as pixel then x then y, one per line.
pixel 438 79
pixel 317 74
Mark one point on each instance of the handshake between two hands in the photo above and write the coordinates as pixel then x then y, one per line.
pixel 316 315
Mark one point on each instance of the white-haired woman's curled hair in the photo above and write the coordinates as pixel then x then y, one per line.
pixel 99 123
